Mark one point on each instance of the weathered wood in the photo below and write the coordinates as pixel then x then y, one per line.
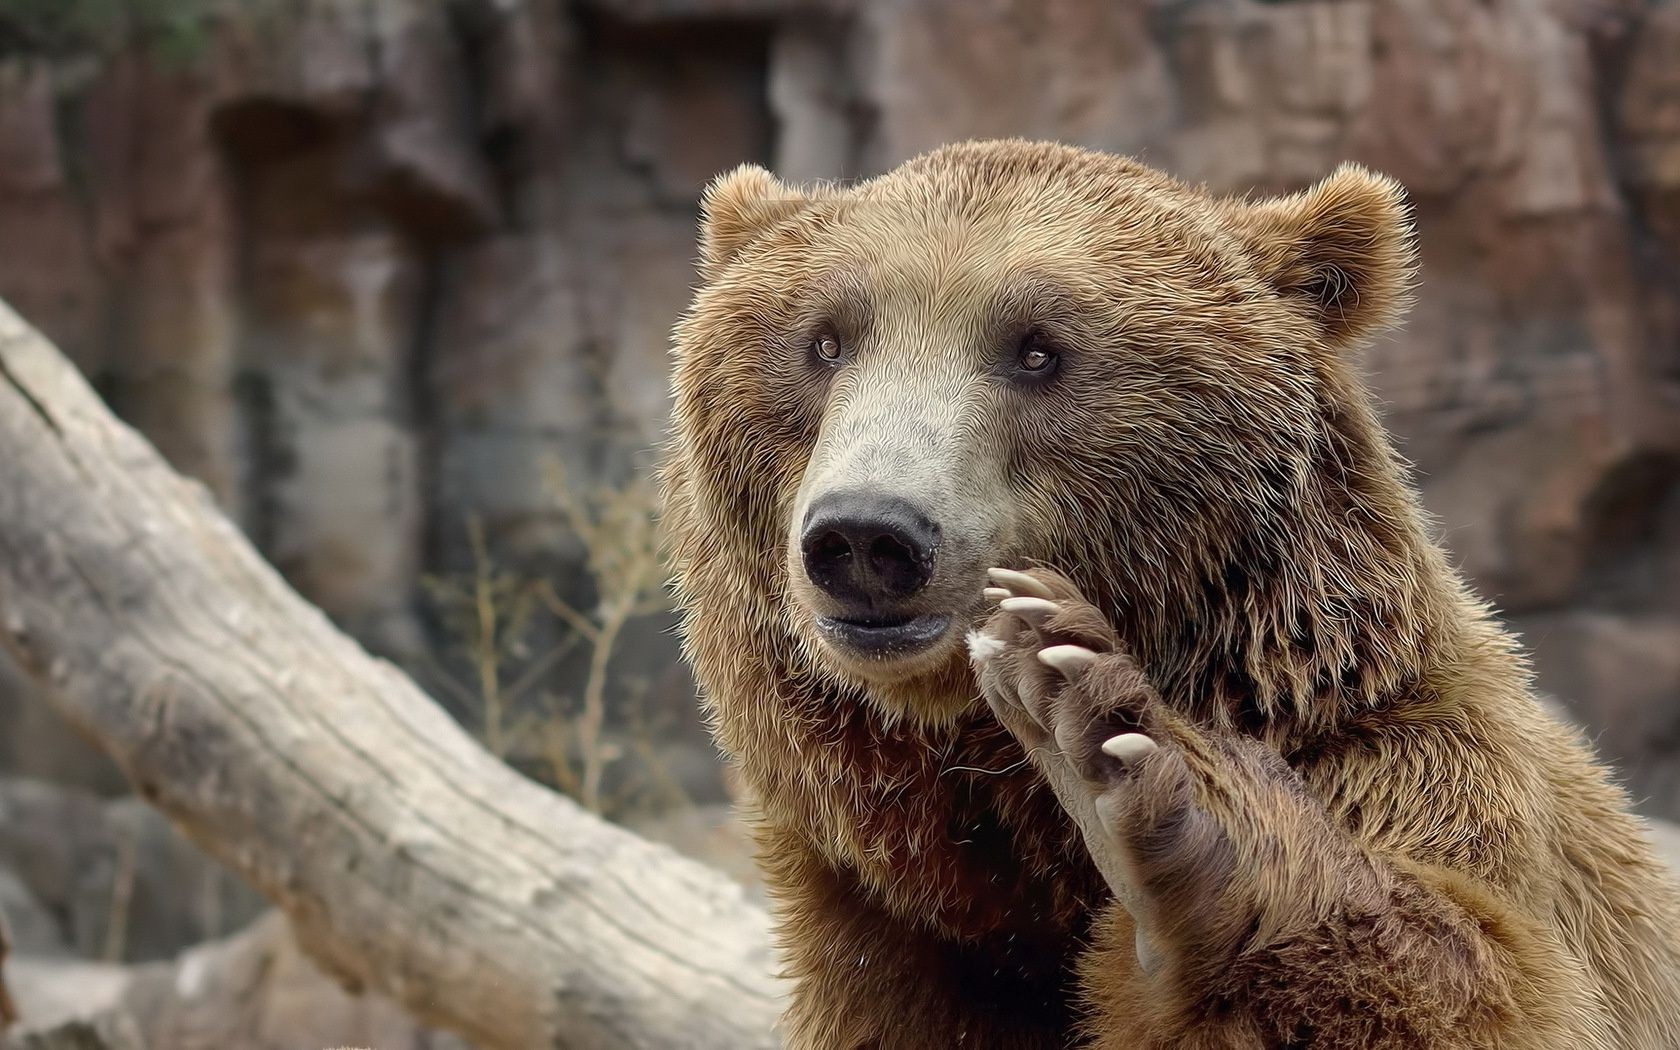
pixel 407 858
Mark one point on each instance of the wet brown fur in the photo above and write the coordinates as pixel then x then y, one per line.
pixel 1424 856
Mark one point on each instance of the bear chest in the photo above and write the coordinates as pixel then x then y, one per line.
pixel 963 837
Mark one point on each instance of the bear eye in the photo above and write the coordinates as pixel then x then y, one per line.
pixel 1033 356
pixel 827 347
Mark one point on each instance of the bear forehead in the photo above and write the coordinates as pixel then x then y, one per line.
pixel 979 226
pixel 1323 267
pixel 1101 202
pixel 904 252
pixel 1018 171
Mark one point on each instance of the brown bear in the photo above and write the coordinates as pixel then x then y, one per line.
pixel 1257 771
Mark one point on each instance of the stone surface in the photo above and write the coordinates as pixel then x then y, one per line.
pixel 254 990
pixel 1618 675
pixel 338 315
pixel 32 928
pixel 36 743
pixel 1667 838
pixel 113 877
pixel 372 268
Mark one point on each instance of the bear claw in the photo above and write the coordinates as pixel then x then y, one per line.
pixel 1129 747
pixel 1146 955
pixel 1068 659
pixel 1033 610
pixel 1019 583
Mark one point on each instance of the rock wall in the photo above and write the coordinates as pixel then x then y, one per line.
pixel 371 267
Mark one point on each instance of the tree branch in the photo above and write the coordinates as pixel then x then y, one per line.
pixel 407 858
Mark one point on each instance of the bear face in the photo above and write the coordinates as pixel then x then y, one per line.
pixel 1015 353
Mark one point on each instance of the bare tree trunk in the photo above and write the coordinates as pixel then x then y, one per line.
pixel 408 859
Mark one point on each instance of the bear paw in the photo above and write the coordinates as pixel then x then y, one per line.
pixel 1056 676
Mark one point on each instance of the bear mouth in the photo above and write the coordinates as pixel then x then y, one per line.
pixel 885 637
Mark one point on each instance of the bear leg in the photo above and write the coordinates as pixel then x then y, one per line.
pixel 1253 920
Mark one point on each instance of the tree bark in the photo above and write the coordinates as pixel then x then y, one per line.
pixel 408 859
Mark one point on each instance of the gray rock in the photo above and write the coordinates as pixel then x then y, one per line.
pixel 1617 675
pixel 1667 837
pixel 254 990
pixel 32 928
pixel 114 877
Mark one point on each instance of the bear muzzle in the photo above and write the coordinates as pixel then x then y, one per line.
pixel 871 554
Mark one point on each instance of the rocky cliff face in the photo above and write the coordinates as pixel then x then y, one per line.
pixel 370 267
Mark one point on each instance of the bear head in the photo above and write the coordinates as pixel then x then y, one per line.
pixel 1008 353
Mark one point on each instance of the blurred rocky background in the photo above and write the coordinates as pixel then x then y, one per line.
pixel 394 279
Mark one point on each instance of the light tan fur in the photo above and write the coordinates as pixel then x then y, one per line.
pixel 1366 831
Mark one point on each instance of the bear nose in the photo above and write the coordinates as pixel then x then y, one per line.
pixel 865 549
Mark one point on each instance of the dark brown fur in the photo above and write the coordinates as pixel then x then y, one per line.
pixel 1397 846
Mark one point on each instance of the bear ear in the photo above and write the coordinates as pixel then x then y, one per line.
pixel 736 209
pixel 1345 248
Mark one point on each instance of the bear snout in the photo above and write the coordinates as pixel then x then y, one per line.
pixel 869 551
